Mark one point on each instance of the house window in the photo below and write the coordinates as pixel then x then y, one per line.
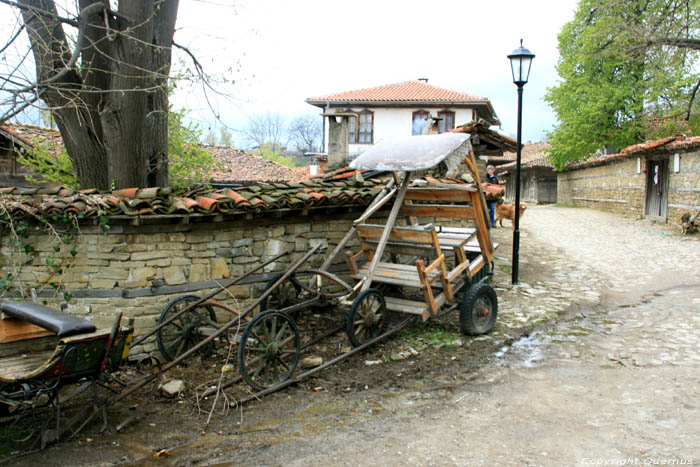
pixel 360 130
pixel 352 129
pixel 447 120
pixel 420 119
pixel 365 127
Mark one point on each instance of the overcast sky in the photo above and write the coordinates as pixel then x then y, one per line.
pixel 282 52
pixel 277 53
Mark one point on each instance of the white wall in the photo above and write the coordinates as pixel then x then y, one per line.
pixel 393 123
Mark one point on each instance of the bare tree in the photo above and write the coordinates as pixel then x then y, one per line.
pixel 266 129
pixel 306 132
pixel 210 138
pixel 225 137
pixel 103 74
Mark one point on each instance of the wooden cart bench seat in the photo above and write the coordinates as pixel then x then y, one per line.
pixel 18 366
pixel 416 240
pixel 397 274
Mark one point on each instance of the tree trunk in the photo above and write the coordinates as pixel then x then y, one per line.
pixel 113 113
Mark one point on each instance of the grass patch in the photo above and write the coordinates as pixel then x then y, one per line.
pixel 429 335
pixel 570 206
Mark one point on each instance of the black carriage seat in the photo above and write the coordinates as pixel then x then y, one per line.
pixel 63 324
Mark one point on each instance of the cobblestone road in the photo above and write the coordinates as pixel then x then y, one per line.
pixel 616 383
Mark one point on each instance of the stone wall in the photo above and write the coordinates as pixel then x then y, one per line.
pixel 619 187
pixel 139 269
pixel 614 187
pixel 684 186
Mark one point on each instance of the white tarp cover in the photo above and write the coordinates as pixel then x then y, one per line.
pixel 413 152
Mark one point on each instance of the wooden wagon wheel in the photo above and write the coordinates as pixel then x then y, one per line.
pixel 367 317
pixel 269 349
pixel 285 295
pixel 182 333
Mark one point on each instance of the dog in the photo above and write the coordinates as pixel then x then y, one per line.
pixel 507 211
pixel 689 224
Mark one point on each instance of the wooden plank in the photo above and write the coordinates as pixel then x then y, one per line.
pixel 22 365
pixel 407 306
pixel 39 344
pixel 437 194
pixel 385 235
pixel 396 274
pixel 427 289
pixel 405 234
pixel 462 267
pixel 329 260
pixel 12 330
pixel 438 210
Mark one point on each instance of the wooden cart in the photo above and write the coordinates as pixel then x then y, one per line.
pixel 446 264
pixel 449 267
pixel 42 351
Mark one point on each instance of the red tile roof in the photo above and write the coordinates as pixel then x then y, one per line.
pixel 531 155
pixel 238 166
pixel 341 188
pixel 28 134
pixel 664 145
pixel 338 188
pixel 408 91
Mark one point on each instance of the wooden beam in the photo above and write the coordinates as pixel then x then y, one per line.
pixel 438 210
pixel 387 230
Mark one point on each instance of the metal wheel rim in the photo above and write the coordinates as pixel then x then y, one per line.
pixel 270 350
pixel 482 312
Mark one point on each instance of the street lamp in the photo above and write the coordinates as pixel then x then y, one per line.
pixel 520 61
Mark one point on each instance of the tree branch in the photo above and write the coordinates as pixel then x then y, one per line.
pixel 692 98
pixel 51 14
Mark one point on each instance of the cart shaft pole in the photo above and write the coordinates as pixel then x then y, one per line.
pixel 387 231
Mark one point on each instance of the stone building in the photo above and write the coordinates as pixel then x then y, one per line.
pixel 659 179
pixel 538 180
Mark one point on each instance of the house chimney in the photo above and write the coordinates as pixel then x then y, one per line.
pixel 425 80
pixel 338 149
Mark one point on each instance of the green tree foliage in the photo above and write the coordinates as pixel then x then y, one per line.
pixel 623 64
pixel 271 153
pixel 49 164
pixel 188 162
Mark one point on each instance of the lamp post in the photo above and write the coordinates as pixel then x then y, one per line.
pixel 520 61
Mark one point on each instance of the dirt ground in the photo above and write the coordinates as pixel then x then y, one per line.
pixel 610 377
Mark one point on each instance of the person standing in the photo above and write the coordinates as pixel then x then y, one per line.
pixel 491 178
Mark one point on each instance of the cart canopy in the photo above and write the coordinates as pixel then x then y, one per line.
pixel 413 152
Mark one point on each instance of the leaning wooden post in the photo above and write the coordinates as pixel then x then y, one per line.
pixel 387 230
pixel 327 263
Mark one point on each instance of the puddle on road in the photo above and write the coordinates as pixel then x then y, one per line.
pixel 529 351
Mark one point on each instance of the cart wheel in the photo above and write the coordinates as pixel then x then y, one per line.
pixel 269 349
pixel 479 309
pixel 367 317
pixel 286 294
pixel 181 334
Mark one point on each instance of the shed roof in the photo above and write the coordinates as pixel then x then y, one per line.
pixel 531 155
pixel 669 144
pixel 26 135
pixel 241 167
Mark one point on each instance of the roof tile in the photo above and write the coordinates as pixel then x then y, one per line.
pixel 407 91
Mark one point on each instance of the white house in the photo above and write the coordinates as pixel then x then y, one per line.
pixel 401 109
